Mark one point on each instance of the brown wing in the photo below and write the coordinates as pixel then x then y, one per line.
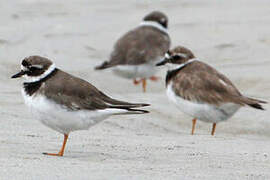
pixel 75 94
pixel 201 83
pixel 138 46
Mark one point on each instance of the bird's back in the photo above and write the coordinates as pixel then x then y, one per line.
pixel 139 46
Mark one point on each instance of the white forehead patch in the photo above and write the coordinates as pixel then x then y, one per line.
pixel 167 56
pixel 23 68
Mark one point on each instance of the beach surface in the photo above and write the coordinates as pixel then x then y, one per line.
pixel 232 36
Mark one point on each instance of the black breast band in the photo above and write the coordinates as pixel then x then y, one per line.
pixel 31 87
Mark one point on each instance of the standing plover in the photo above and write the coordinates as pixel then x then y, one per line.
pixel 135 54
pixel 64 102
pixel 201 91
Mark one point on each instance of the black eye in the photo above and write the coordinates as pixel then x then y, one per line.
pixel 175 57
pixel 25 63
pixel 164 24
pixel 33 69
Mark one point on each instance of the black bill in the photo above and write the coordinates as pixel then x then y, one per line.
pixel 19 74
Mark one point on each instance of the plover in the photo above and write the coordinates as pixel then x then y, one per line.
pixel 64 102
pixel 135 54
pixel 201 91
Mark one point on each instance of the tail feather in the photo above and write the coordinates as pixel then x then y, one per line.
pixel 104 65
pixel 132 111
pixel 128 105
pixel 258 101
pixel 120 104
pixel 130 108
pixel 255 103
pixel 257 106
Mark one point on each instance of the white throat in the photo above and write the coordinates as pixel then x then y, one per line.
pixel 30 79
pixel 155 25
pixel 177 66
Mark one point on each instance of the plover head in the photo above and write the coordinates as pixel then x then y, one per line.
pixel 157 16
pixel 35 68
pixel 178 55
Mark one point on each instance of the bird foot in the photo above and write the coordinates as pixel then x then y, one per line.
pixel 136 82
pixel 53 154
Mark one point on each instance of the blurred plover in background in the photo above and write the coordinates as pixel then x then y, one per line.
pixel 135 54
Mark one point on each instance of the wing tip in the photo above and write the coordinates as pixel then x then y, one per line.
pixel 104 65
pixel 256 106
pixel 256 103
pixel 144 104
pixel 138 111
pixel 132 109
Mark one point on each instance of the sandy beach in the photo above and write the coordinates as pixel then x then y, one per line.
pixel 232 36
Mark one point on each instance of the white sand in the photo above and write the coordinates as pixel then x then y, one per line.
pixel 231 35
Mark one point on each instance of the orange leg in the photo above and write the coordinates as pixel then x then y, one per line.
pixel 193 125
pixel 144 85
pixel 61 152
pixel 154 78
pixel 136 82
pixel 213 129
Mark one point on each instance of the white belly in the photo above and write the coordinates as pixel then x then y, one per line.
pixel 61 119
pixel 136 71
pixel 203 112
